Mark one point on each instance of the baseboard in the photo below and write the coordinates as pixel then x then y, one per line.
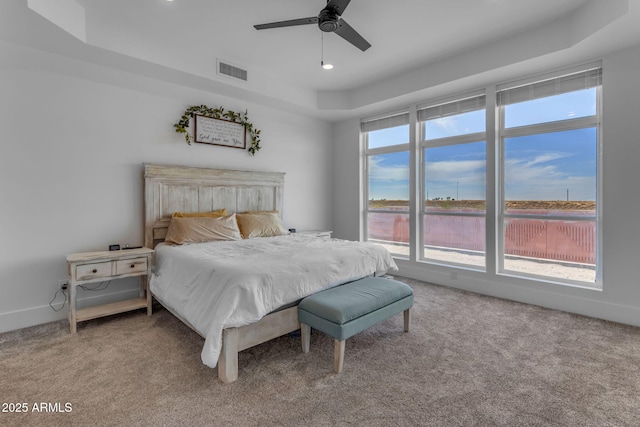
pixel 32 316
pixel 586 302
pixel 565 299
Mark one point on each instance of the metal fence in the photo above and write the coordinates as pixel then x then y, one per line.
pixel 553 239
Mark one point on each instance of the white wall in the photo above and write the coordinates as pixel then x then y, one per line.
pixel 620 298
pixel 74 138
pixel 347 196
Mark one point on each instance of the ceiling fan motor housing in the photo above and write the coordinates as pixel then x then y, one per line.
pixel 328 20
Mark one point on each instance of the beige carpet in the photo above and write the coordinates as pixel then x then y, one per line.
pixel 468 360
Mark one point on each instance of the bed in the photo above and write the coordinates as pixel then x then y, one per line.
pixel 240 293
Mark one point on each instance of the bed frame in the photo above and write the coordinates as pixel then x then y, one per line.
pixel 193 189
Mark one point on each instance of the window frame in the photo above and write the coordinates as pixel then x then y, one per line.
pixel 502 216
pixel 444 142
pixel 388 149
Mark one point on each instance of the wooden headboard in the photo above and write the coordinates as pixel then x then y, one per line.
pixel 171 189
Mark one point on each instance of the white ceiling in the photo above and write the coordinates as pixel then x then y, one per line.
pixel 416 44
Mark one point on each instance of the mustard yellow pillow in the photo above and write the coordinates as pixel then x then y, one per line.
pixel 265 224
pixel 202 229
pixel 212 214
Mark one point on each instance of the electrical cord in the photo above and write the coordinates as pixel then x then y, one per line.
pixel 100 286
pixel 64 301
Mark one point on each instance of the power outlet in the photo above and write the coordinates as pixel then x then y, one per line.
pixel 64 284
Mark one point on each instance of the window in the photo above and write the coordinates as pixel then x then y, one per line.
pixel 453 205
pixel 386 142
pixel 506 183
pixel 549 132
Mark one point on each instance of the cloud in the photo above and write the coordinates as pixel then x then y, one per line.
pixel 462 171
pixel 534 167
pixel 546 157
pixel 379 172
pixel 537 177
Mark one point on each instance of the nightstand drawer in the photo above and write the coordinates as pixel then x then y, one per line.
pixel 128 266
pixel 93 271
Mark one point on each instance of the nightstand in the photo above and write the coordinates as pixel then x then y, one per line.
pixel 314 233
pixel 92 267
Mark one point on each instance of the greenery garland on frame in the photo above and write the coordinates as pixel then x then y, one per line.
pixel 219 113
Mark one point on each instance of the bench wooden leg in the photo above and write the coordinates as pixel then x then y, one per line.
pixel 338 355
pixel 407 319
pixel 228 359
pixel 305 336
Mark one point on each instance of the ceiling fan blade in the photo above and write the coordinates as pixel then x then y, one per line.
pixel 289 23
pixel 338 5
pixel 349 34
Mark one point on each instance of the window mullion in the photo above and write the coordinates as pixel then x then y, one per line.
pixel 388 149
pixel 414 187
pixel 453 140
pixel 491 184
pixel 558 126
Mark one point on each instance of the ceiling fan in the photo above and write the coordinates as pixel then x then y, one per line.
pixel 329 21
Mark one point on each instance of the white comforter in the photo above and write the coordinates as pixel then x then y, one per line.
pixel 218 285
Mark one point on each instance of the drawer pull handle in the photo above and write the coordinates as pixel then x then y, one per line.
pixel 95 270
pixel 133 266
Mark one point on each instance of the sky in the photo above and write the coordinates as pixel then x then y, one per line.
pixel 551 166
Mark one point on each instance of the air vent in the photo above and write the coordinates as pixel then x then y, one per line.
pixel 227 69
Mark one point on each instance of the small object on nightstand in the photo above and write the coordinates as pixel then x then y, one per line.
pixel 114 247
pixel 292 230
pixel 92 267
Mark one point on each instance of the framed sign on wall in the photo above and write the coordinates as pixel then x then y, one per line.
pixel 209 130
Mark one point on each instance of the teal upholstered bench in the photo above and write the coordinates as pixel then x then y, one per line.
pixel 346 310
